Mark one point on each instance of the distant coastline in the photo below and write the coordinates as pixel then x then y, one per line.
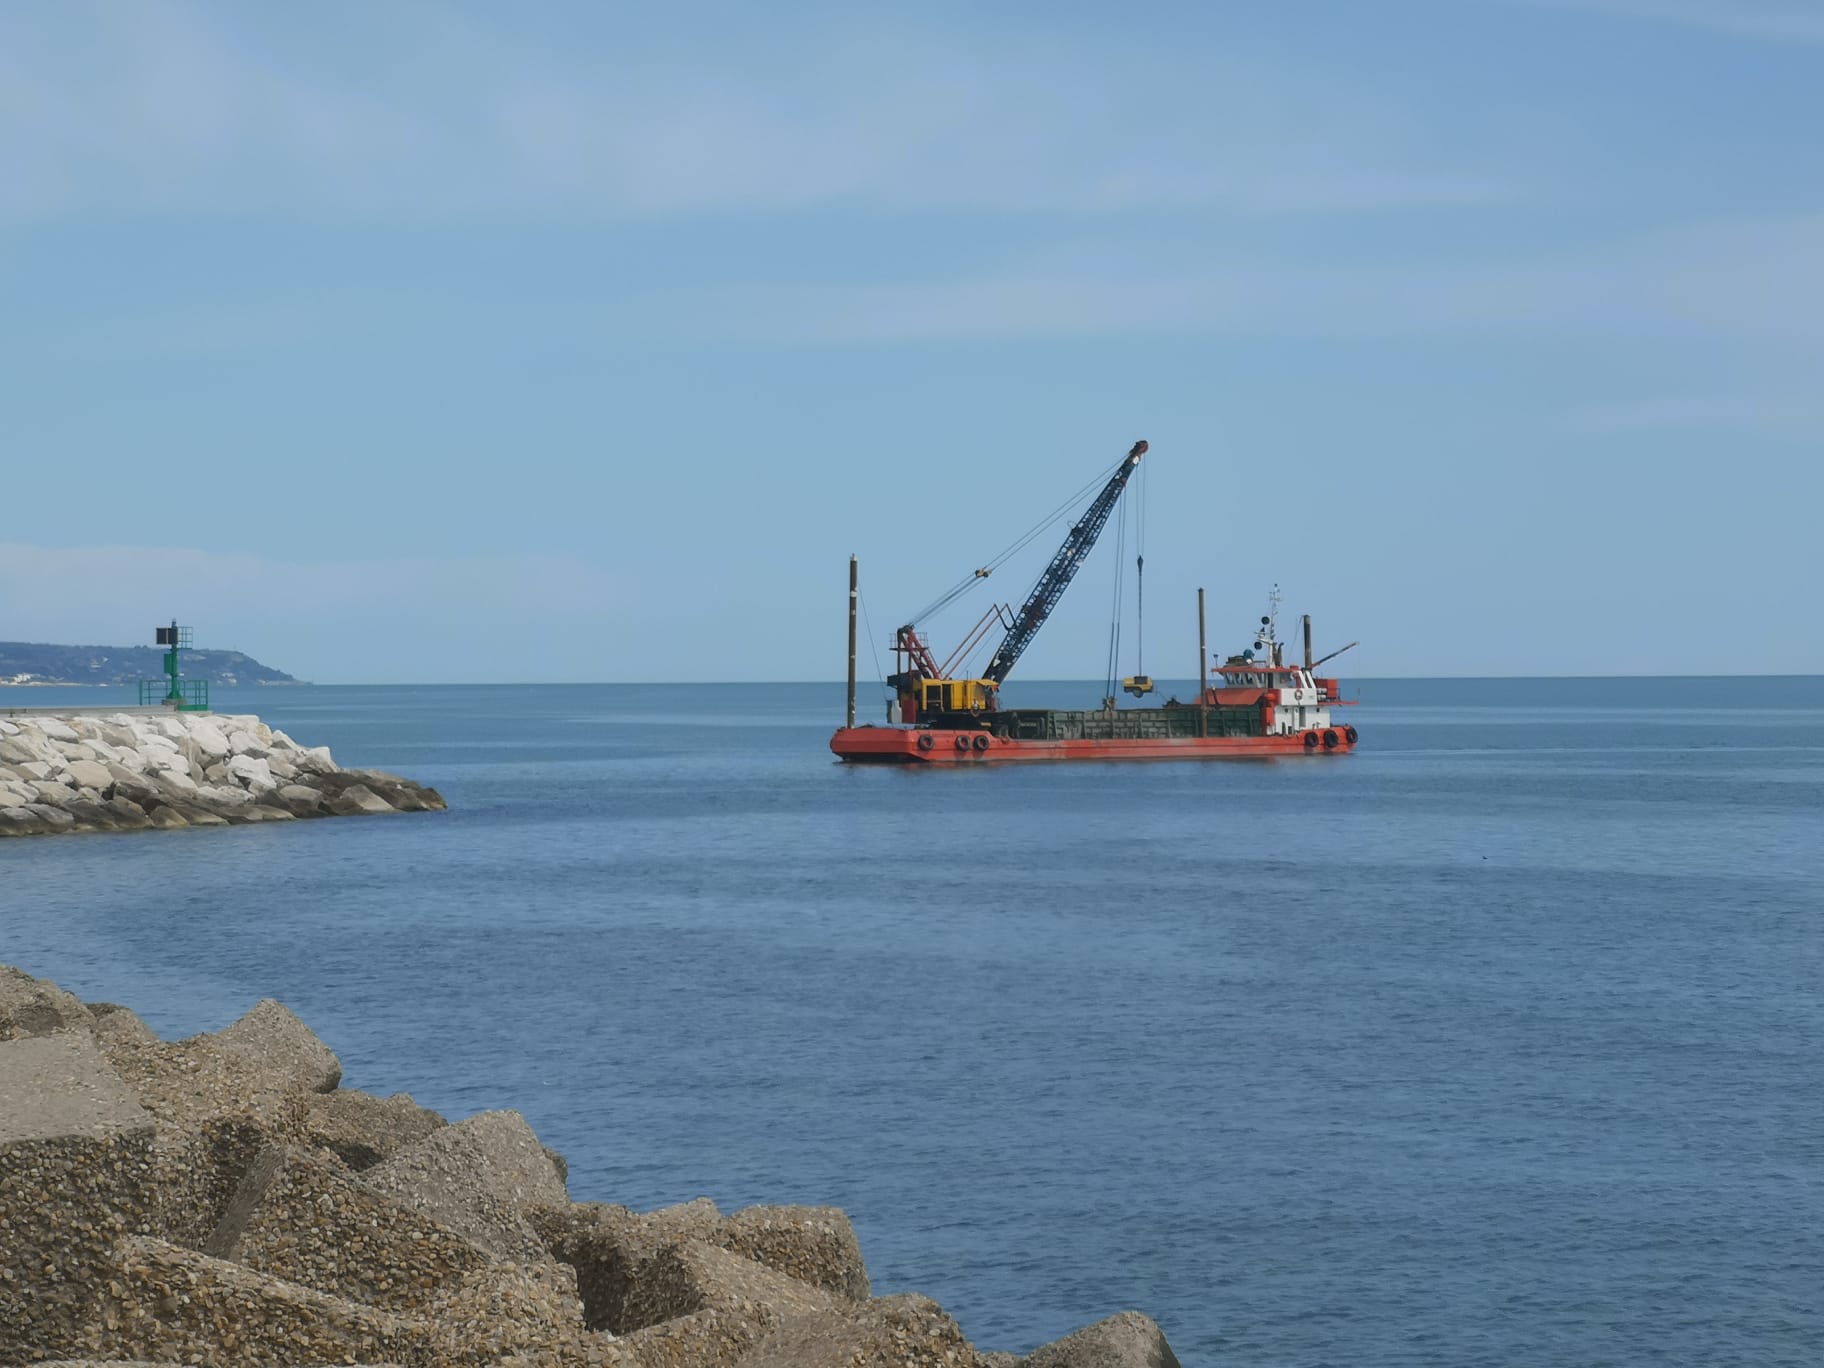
pixel 37 664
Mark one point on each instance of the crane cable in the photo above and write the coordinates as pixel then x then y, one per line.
pixel 975 577
pixel 1140 578
pixel 1138 509
pixel 873 646
pixel 1114 621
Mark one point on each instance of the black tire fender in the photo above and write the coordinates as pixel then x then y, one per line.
pixel 925 742
pixel 1330 739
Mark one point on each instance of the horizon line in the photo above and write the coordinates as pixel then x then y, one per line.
pixel 842 683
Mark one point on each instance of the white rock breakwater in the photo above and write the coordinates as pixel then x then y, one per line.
pixel 129 771
pixel 223 1201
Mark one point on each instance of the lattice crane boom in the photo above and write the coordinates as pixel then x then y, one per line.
pixel 1063 568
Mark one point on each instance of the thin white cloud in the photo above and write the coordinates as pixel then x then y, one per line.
pixel 1780 21
pixel 127 108
pixel 1757 280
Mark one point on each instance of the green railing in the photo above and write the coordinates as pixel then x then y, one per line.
pixel 186 695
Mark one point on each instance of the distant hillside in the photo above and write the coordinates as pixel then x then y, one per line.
pixel 33 662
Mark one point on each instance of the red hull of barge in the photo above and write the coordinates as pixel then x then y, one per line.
pixel 900 745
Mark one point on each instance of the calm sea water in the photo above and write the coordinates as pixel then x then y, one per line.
pixel 1497 1042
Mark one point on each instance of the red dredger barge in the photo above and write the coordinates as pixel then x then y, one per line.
pixel 1257 705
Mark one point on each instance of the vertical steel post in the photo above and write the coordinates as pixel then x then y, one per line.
pixel 1203 671
pixel 174 696
pixel 854 594
pixel 1307 641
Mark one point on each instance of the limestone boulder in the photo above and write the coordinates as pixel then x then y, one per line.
pixel 246 743
pixel 120 737
pixel 90 813
pixel 131 785
pixel 480 1177
pixel 127 814
pixel 165 761
pixel 314 760
pixel 52 816
pixel 359 800
pixel 176 782
pixel 20 820
pixel 398 794
pixel 208 739
pixel 1127 1340
pixel 198 815
pixel 249 812
pixel 253 772
pixel 90 774
pixel 298 799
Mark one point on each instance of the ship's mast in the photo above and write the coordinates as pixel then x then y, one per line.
pixel 1267 639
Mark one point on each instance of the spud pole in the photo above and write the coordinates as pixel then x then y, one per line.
pixel 854 594
pixel 1203 670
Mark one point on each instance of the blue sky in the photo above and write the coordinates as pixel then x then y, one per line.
pixel 585 341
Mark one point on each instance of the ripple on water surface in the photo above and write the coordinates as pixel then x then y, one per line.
pixel 1494 1042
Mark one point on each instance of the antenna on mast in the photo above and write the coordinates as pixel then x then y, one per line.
pixel 1267 638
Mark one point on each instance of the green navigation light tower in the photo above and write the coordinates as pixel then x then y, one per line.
pixel 184 695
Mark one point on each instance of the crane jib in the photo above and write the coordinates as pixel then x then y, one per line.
pixel 1064 565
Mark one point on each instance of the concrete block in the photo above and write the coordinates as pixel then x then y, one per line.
pixel 889 1332
pixel 479 1177
pixel 816 1245
pixel 363 1130
pixel 75 1173
pixel 1127 1340
pixel 33 1006
pixel 272 1038
pixel 302 1216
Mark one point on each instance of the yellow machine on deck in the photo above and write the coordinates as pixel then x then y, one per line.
pixel 956 695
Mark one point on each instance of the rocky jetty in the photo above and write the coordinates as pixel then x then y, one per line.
pixel 222 1200
pixel 129 771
